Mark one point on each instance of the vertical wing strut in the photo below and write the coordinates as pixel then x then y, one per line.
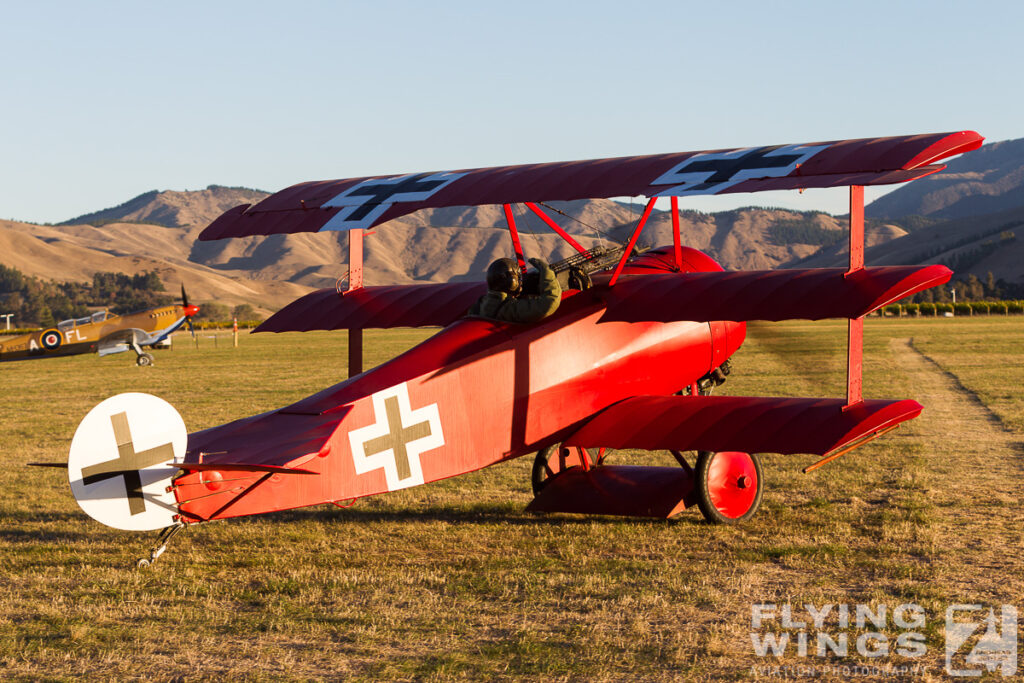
pixel 855 329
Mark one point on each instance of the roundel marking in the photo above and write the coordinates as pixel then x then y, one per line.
pixel 51 339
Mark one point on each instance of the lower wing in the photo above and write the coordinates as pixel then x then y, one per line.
pixel 740 423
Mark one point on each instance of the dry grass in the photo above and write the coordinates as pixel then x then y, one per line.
pixel 453 580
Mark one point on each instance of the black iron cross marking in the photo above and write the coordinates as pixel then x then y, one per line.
pixel 128 463
pixel 722 170
pixel 398 438
pixel 380 192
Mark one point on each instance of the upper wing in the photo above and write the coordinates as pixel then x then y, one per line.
pixel 740 423
pixel 812 294
pixel 365 202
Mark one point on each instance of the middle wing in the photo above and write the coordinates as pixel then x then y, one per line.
pixel 810 294
pixel 430 305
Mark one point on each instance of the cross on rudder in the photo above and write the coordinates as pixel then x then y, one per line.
pixel 128 463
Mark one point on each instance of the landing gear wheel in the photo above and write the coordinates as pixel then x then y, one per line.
pixel 144 360
pixel 729 486
pixel 553 460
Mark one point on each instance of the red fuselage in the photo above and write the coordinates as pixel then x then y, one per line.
pixel 477 393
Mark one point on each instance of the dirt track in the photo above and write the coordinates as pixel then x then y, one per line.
pixel 976 484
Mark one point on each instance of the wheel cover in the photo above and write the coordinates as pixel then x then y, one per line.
pixel 732 483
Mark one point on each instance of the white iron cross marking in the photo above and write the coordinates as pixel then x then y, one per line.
pixel 397 439
pixel 714 172
pixel 364 203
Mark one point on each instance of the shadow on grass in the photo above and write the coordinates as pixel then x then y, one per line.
pixel 25 536
pixel 22 526
pixel 481 515
pixel 71 527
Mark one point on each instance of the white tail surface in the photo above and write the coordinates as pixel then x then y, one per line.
pixel 119 465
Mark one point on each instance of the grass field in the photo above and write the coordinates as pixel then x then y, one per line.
pixel 455 581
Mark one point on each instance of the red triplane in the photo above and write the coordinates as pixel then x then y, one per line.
pixel 624 363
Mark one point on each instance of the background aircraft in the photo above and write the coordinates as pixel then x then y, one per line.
pixel 626 362
pixel 103 333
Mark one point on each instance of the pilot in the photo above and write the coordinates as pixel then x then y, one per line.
pixel 505 299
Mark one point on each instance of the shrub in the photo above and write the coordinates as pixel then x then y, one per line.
pixel 911 309
pixel 927 308
pixel 1015 306
pixel 963 308
pixel 980 307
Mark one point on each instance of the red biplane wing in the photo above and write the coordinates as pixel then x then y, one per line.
pixel 427 305
pixel 365 202
pixel 740 423
pixel 813 294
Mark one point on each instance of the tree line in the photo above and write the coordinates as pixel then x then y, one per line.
pixel 40 303
pixel 35 302
pixel 971 288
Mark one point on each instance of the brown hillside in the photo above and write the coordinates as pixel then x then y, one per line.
pixel 987 181
pixel 174 209
pixel 975 246
pixel 75 253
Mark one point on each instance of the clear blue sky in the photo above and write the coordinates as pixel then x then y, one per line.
pixel 102 101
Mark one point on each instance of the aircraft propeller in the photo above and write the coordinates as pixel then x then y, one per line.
pixel 189 311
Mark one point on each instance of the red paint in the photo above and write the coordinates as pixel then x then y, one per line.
pixel 855 330
pixel 355 259
pixel 855 362
pixel 869 161
pixel 511 220
pixel 732 483
pixel 856 228
pixel 753 424
pixel 676 244
pixel 554 226
pixel 632 241
pixel 501 391
pixel 618 490
pixel 424 305
pixel 504 390
pixel 810 294
pixel 608 369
